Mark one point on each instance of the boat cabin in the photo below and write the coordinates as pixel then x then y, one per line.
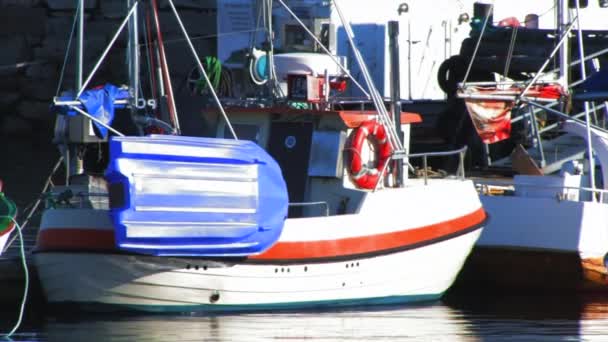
pixel 311 147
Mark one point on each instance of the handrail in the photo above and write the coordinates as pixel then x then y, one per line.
pixel 497 182
pixel 82 194
pixel 398 156
pixel 79 196
pixel 461 154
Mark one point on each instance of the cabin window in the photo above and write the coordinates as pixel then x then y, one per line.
pixel 244 132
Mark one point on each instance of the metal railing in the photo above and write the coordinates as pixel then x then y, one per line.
pixel 80 198
pixel 400 155
pixel 425 156
pixel 561 193
pixel 75 199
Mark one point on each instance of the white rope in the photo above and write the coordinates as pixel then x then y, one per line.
pixel 27 280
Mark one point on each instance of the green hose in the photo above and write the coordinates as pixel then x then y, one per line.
pixel 8 211
pixel 213 68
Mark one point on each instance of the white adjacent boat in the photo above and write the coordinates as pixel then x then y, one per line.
pixel 355 234
pixel 548 229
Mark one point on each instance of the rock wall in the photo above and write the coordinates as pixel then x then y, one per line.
pixel 34 36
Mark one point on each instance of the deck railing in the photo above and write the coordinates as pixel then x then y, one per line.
pixel 426 155
pixel 563 192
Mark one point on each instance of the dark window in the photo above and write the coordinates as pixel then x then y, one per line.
pixel 244 132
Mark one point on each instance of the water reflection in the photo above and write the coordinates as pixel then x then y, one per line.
pixel 533 318
pixel 422 323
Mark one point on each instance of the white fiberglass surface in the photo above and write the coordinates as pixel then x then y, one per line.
pixel 193 187
pixel 189 229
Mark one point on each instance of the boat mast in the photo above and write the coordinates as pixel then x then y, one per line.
pixel 133 60
pixel 581 50
pixel 166 87
pixel 74 163
pixel 562 22
pixel 80 45
pixel 393 34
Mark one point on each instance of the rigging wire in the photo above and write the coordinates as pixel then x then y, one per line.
pixel 67 51
pixel 383 115
pixel 49 182
pixel 200 65
pixel 325 49
pixel 252 41
pixel 510 52
pixel 149 59
pixel 275 87
pixel 206 36
pixel 483 29
pixel 165 67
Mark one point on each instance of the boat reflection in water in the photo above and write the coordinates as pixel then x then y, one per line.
pixel 460 319
pixel 420 323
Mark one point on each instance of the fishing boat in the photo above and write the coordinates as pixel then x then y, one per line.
pixel 292 202
pixel 8 212
pixel 547 198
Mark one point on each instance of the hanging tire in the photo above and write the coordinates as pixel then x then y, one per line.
pixel 450 72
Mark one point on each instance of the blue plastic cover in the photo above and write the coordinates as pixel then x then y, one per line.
pixel 187 196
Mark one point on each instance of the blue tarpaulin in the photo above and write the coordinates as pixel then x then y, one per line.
pixel 99 102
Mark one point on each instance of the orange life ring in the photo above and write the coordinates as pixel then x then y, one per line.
pixel 362 176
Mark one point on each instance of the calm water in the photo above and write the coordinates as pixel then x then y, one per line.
pixel 460 319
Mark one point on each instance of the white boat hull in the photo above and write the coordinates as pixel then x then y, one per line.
pixel 380 255
pixel 155 283
pixel 541 243
pixel 572 227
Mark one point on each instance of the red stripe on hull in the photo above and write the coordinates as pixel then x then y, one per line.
pixel 75 239
pixel 370 244
pixel 90 239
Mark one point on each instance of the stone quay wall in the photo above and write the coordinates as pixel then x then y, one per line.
pixel 34 36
